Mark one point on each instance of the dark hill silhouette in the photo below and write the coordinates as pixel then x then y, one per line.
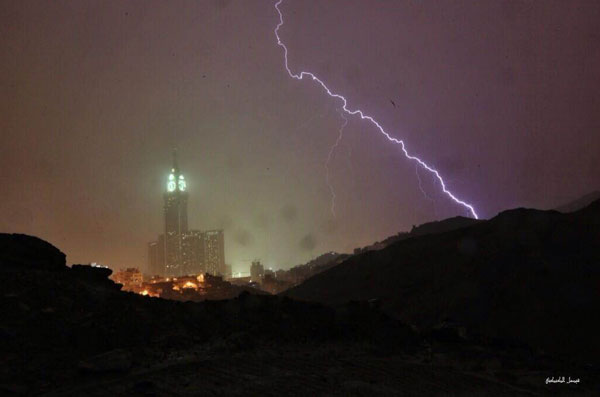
pixel 30 252
pixel 444 225
pixel 71 331
pixel 526 275
pixel 579 203
pixel 316 265
pixel 300 273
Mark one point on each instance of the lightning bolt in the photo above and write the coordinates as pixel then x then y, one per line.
pixel 421 185
pixel 335 145
pixel 363 116
pixel 423 190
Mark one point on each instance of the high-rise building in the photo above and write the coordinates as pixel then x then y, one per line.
pixel 153 265
pixel 175 220
pixel 214 252
pixel 193 252
pixel 161 254
pixel 156 256
pixel 180 251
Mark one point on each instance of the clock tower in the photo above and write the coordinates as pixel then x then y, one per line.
pixel 176 223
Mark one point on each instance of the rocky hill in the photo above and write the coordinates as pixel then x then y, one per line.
pixel 441 226
pixel 72 331
pixel 73 327
pixel 579 203
pixel 525 276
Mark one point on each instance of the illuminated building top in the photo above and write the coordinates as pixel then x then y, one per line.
pixel 176 180
pixel 176 222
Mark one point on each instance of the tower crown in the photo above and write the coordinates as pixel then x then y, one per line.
pixel 176 179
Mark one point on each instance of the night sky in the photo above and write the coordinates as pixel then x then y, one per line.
pixel 502 97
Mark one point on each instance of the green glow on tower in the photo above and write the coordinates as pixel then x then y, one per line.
pixel 176 180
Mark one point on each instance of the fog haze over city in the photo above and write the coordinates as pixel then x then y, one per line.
pixel 97 95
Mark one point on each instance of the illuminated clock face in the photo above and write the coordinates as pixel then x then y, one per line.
pixel 171 185
pixel 182 184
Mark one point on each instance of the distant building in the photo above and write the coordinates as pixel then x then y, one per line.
pixel 154 267
pixel 192 288
pixel 156 256
pixel 241 281
pixel 161 254
pixel 96 264
pixel 257 271
pixel 228 272
pixel 131 278
pixel 271 284
pixel 193 252
pixel 180 251
pixel 214 252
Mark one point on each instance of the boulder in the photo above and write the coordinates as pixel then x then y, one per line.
pixel 97 276
pixel 23 251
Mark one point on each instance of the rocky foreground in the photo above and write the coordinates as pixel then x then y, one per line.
pixel 71 331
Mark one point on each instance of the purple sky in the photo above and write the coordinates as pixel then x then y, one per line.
pixel 500 96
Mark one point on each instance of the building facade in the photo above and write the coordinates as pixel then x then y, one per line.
pixel 257 271
pixel 154 267
pixel 156 256
pixel 214 252
pixel 129 278
pixel 193 252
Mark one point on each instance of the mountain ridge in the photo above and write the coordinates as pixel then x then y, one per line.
pixel 579 203
pixel 527 275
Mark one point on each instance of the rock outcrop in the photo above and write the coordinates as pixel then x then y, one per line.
pixel 30 252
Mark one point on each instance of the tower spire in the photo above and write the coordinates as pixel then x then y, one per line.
pixel 175 165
